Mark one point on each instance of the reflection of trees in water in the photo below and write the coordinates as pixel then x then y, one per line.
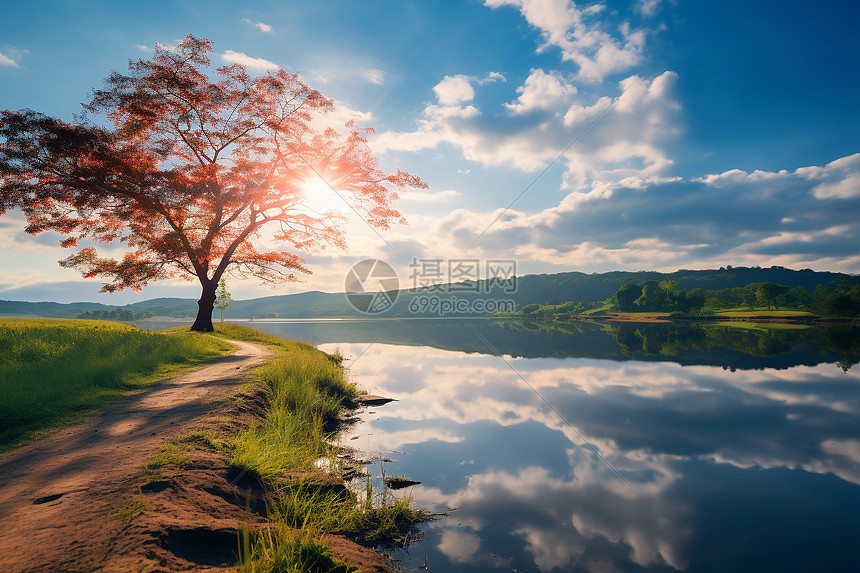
pixel 845 341
pixel 674 339
pixel 551 327
pixel 659 339
pixel 733 346
pixel 762 342
pixel 689 343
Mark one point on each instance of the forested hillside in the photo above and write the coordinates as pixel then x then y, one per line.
pixel 540 290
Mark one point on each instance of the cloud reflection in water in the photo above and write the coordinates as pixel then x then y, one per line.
pixel 714 456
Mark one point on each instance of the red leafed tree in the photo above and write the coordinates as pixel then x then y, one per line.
pixel 195 166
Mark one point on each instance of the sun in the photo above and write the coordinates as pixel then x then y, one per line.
pixel 318 197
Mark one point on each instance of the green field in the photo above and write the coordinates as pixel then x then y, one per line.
pixel 763 313
pixel 604 308
pixel 762 326
pixel 54 372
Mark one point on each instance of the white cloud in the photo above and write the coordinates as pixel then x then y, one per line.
pixel 615 137
pixel 648 7
pixel 414 141
pixel 594 9
pixel 840 179
pixel 581 40
pixel 428 197
pixel 492 77
pixel 16 240
pixel 542 91
pixel 545 118
pixel 258 64
pixel 265 28
pixel 10 56
pixel 454 90
pixel 845 189
pixel 760 218
pixel 374 76
pixel 348 71
pixel 144 48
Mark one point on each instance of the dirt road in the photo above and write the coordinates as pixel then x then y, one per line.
pixel 57 494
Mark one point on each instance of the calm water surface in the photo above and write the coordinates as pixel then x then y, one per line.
pixel 586 447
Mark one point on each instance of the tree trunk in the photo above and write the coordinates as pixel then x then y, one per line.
pixel 205 306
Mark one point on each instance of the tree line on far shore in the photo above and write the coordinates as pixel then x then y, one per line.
pixel 840 299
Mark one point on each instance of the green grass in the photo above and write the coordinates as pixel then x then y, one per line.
pixel 307 389
pixel 171 453
pixel 306 392
pixel 307 505
pixel 54 372
pixel 202 440
pixel 605 308
pixel 763 326
pixel 132 508
pixel 282 549
pixel 761 312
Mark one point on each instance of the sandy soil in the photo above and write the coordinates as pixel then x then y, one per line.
pixel 57 494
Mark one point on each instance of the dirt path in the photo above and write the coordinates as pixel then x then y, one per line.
pixel 56 495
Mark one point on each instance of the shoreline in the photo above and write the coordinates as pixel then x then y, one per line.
pixel 668 318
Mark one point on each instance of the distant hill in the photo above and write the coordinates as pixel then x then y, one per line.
pixel 600 286
pixel 50 309
pixel 560 287
pixel 174 307
pixel 306 304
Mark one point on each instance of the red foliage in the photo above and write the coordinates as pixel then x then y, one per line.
pixel 195 165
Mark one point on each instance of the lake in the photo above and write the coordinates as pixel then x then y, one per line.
pixel 623 447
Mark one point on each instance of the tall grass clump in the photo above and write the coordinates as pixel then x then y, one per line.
pixel 52 370
pixel 306 391
pixel 282 549
pixel 306 505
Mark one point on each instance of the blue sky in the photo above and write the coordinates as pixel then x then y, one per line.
pixel 705 134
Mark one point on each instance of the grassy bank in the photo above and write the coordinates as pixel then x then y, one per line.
pixel 287 450
pixel 763 313
pixel 762 326
pixel 54 372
